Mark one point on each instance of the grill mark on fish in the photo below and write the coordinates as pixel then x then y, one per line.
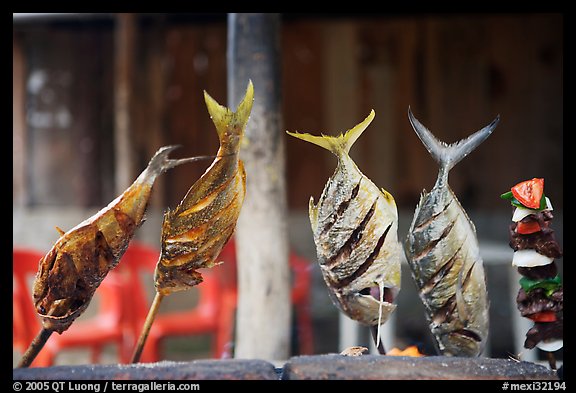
pixel 341 209
pixel 469 333
pixel 440 274
pixel 427 222
pixel 192 235
pixel 344 252
pixel 468 275
pixel 366 265
pixel 344 205
pixel 445 313
pixel 203 256
pixel 432 244
pixel 207 199
pixel 126 223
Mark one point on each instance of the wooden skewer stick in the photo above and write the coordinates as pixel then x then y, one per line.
pixel 35 347
pixel 379 345
pixel 147 325
pixel 552 360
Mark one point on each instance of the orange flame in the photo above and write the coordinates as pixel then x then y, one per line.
pixel 409 351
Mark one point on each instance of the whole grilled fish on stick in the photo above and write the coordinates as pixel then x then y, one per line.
pixel 443 254
pixel 355 227
pixel 194 234
pixel 69 274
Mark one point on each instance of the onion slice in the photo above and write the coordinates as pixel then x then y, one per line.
pixel 530 258
pixel 550 345
pixel 521 212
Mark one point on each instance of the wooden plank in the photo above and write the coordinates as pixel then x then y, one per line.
pixel 195 62
pixel 19 190
pixel 340 106
pixel 340 80
pixel 149 116
pixel 526 84
pixel 124 52
pixel 64 117
pixel 86 99
pixel 302 78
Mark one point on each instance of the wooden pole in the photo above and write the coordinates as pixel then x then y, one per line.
pixel 264 311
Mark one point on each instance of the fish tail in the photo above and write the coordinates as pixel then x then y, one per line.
pixel 230 123
pixel 160 162
pixel 448 155
pixel 340 144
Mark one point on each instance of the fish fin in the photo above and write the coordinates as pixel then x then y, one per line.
pixel 313 213
pixel 448 155
pixel 226 120
pixel 212 264
pixel 60 231
pixel 389 198
pixel 340 144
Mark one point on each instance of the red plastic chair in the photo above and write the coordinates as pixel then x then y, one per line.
pixel 140 260
pixel 301 287
pixel 93 333
pixel 300 297
pixel 214 313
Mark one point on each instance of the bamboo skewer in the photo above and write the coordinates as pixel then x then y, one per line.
pixel 146 328
pixel 379 344
pixel 35 347
pixel 552 360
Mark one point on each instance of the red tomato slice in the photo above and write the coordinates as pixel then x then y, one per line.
pixel 526 228
pixel 529 192
pixel 544 316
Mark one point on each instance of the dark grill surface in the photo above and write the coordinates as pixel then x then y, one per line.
pixel 317 367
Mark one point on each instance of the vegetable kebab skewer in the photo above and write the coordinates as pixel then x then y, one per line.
pixel 194 234
pixel 69 274
pixel 541 296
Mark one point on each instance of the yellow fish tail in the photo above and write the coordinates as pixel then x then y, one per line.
pixel 340 144
pixel 230 125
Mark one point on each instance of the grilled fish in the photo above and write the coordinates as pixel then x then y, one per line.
pixel 355 231
pixel 443 254
pixel 69 274
pixel 195 232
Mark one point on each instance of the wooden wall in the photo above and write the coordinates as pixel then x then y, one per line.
pixel 456 72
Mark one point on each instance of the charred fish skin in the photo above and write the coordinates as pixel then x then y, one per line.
pixel 443 253
pixel 194 233
pixel 355 232
pixel 69 274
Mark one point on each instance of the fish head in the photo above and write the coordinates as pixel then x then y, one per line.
pixel 169 279
pixel 462 342
pixel 364 305
pixel 369 301
pixel 68 276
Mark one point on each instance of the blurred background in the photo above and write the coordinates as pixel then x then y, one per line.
pixel 456 72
